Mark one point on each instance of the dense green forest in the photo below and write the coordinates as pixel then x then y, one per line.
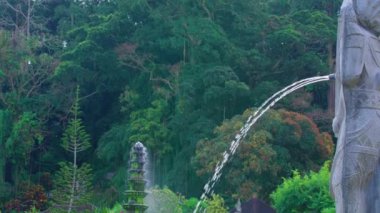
pixel 181 76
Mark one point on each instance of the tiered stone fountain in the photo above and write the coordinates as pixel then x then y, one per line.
pixel 135 192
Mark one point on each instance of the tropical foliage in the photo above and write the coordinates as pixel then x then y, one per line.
pixel 179 75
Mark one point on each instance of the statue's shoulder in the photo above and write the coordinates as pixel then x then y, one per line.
pixel 347 12
pixel 368 14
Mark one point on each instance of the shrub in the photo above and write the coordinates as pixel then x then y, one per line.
pixel 309 193
pixel 34 197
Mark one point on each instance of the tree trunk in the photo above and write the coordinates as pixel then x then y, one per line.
pixel 74 181
pixel 28 19
pixel 331 91
pixel 2 166
pixel 73 184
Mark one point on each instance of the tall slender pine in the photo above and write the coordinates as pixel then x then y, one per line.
pixel 73 183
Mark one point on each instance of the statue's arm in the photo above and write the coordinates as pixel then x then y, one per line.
pixel 353 66
pixel 350 44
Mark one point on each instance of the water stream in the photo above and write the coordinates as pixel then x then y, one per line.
pixel 270 102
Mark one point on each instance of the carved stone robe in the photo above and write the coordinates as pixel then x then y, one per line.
pixel 355 176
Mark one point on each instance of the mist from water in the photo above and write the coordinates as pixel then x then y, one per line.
pixel 148 170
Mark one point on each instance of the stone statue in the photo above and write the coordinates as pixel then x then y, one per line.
pixel 355 175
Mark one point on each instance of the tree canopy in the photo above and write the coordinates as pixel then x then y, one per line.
pixel 179 75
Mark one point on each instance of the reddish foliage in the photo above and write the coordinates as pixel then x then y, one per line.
pixel 323 140
pixel 34 196
pixel 294 119
pixel 46 181
pixel 13 205
pixel 126 48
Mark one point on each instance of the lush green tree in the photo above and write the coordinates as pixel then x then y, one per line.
pixel 25 105
pixel 19 136
pixel 145 125
pixel 215 205
pixel 281 142
pixel 69 15
pixel 305 193
pixel 148 125
pixel 25 133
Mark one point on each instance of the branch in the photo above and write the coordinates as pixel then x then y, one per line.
pixel 6 22
pixel 163 80
pixel 204 7
pixel 89 95
pixel 14 9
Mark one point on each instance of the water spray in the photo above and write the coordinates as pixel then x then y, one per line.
pixel 270 102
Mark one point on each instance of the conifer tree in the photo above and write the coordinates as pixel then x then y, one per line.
pixel 73 183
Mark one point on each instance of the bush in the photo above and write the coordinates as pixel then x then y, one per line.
pixel 309 193
pixel 188 205
pixel 117 208
pixel 215 205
